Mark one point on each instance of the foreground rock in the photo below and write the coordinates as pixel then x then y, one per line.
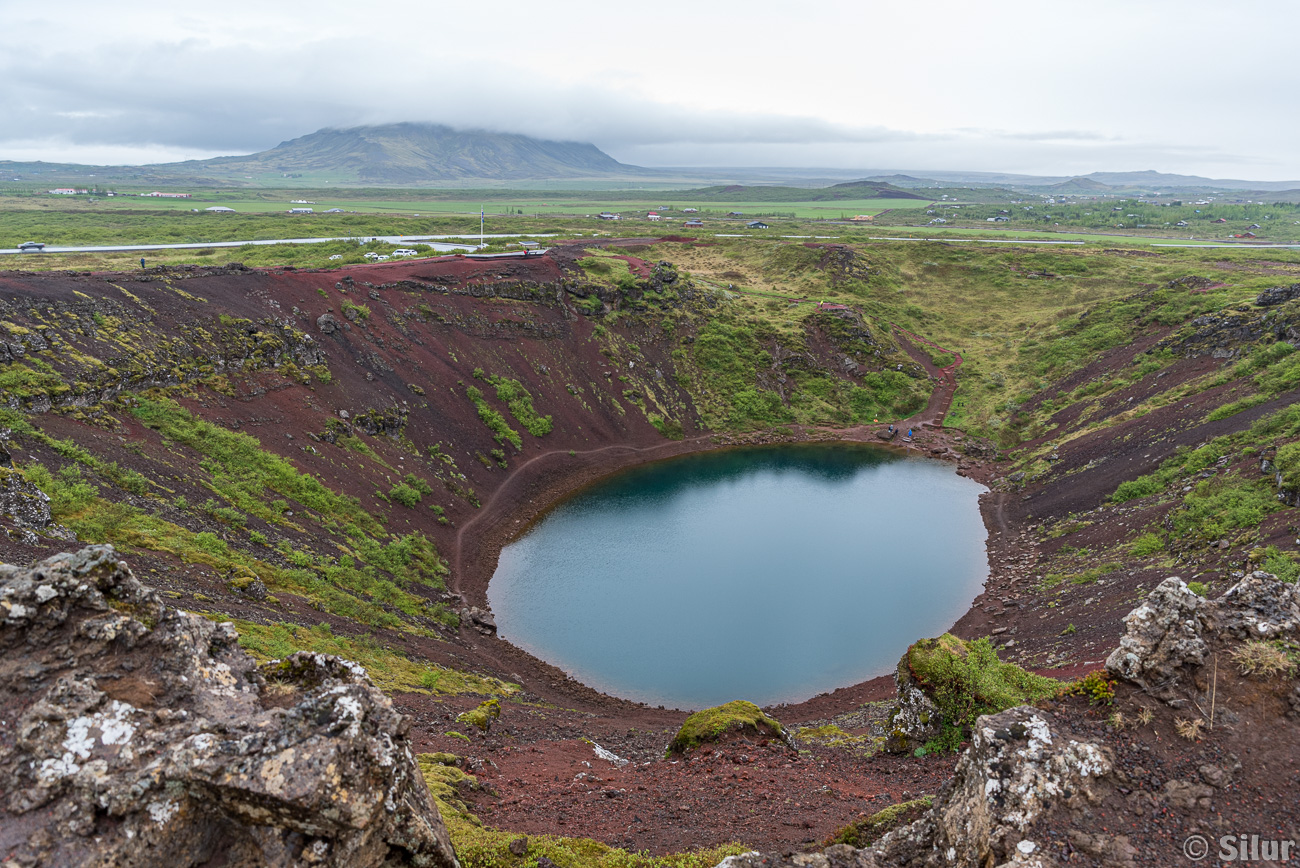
pixel 1019 766
pixel 132 734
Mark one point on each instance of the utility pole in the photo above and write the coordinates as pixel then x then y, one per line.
pixel 480 227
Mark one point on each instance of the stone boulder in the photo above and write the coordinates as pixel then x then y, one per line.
pixel 1020 766
pixel 1278 295
pixel 135 734
pixel 1258 607
pixel 1017 768
pixel 915 719
pixel 1167 634
pixel 1163 637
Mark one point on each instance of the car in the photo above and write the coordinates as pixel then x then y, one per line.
pixel 381 258
pixel 336 257
pixel 32 245
pixel 370 254
pixel 404 251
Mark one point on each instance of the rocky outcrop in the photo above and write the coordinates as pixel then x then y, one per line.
pixel 1017 768
pixel 1020 766
pixel 1167 634
pixel 28 509
pixel 1163 637
pixel 916 719
pixel 1278 295
pixel 134 734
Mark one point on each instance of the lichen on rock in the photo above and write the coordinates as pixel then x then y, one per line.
pixel 139 734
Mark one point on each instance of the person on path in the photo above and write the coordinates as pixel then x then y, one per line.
pixel 142 262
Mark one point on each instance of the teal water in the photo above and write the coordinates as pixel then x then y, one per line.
pixel 770 574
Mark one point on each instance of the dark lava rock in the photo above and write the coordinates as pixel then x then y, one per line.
pixel 1278 295
pixel 327 323
pixel 135 734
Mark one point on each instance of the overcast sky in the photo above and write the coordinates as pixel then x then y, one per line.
pixel 1034 86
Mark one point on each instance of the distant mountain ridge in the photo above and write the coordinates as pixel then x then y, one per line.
pixel 411 153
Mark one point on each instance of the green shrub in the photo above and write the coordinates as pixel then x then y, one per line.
pixel 404 494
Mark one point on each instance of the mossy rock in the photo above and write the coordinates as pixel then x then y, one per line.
pixel 866 831
pixel 483 716
pixel 739 717
pixel 966 679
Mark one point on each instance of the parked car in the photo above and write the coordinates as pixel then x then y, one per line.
pixel 336 257
pixel 32 245
pixel 404 251
pixel 370 254
pixel 382 258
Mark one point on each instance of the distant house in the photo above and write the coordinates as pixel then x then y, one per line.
pixel 340 211
pixel 606 215
pixel 1254 226
pixel 653 216
pixel 690 210
pixel 693 223
pixel 1182 223
pixel 1221 220
pixel 66 191
pixel 997 218
pixel 300 210
pixel 938 220
pixel 222 209
pixel 735 213
pixel 156 195
pixel 757 224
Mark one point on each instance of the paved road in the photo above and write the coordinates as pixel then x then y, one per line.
pixel 437 242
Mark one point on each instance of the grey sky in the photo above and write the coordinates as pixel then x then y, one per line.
pixel 1047 86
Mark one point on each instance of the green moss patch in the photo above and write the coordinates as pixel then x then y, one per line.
pixel 712 723
pixel 866 831
pixel 966 680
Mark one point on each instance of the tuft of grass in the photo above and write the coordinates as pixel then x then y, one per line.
pixel 1189 728
pixel 1262 658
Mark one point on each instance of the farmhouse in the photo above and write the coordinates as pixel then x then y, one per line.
pixel 693 223
pixel 300 210
pixel 757 224
pixel 652 216
pixel 222 209
pixel 156 195
pixel 606 215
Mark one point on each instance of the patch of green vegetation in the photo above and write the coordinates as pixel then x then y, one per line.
pixel 409 491
pixel 520 403
pixel 966 680
pixel 393 670
pixel 1096 686
pixel 482 717
pixel 1147 544
pixel 356 311
pixel 479 846
pixel 712 723
pixel 1281 564
pixel 1227 410
pixel 866 831
pixel 501 430
pixel 242 472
